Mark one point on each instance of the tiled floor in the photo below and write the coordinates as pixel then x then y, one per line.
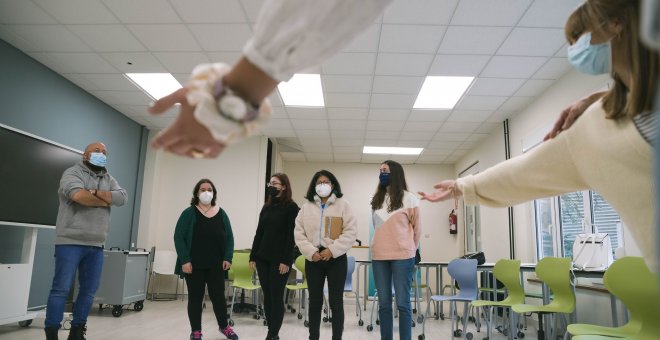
pixel 163 320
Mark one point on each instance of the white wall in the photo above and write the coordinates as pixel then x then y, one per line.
pixel 358 183
pixel 239 176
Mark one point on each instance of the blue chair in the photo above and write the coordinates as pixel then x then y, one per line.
pixel 464 272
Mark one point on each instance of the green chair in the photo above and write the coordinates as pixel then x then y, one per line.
pixel 630 280
pixel 243 279
pixel 556 274
pixel 299 264
pixel 507 272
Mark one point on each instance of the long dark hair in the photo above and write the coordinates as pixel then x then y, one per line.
pixel 195 198
pixel 395 189
pixel 286 193
pixel 311 190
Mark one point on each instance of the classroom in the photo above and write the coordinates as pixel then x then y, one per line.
pixel 68 67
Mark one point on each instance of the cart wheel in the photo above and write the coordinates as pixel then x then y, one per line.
pixel 138 306
pixel 469 336
pixel 472 319
pixel 360 323
pixel 66 324
pixel 442 316
pixel 306 323
pixel 117 311
pixel 370 328
pixel 325 319
pixel 505 332
pixel 421 337
pixel 293 310
pixel 521 335
pixel 420 319
pixel 299 316
pixel 231 322
pixel 377 322
pixel 413 323
pixel 25 323
pixel 414 310
pixel 458 333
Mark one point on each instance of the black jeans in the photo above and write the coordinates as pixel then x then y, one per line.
pixel 214 279
pixel 335 271
pixel 272 285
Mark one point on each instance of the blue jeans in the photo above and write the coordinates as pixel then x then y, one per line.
pixel 397 274
pixel 88 261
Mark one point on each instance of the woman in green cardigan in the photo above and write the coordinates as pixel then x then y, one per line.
pixel 204 245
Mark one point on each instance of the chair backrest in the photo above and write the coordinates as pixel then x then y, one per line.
pixel 630 280
pixel 508 272
pixel 300 266
pixel 164 262
pixel 350 268
pixel 241 268
pixel 555 272
pixel 464 271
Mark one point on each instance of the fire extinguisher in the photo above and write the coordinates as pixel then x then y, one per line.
pixel 453 221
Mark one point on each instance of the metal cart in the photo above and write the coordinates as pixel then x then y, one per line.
pixel 123 280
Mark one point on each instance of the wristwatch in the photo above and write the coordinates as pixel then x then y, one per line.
pixel 93 191
pixel 232 106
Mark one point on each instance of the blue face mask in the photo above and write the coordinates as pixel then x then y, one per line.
pixel 588 58
pixel 384 178
pixel 98 159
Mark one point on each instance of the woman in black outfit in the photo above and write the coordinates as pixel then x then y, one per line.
pixel 272 249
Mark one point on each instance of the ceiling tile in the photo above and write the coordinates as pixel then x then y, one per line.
pixel 524 41
pixel 359 100
pixel 473 116
pixel 347 158
pixel 391 64
pixel 229 58
pixel 166 38
pixel 347 149
pixel 367 41
pixel 451 136
pixel 50 38
pixel 554 68
pixel 500 115
pixel 209 11
pixel 422 126
pixel 480 103
pixel 412 143
pixel 123 97
pixel 9 36
pixel 489 13
pixel 392 84
pixel 404 159
pixel 444 145
pixel 135 62
pixel 458 65
pixel 306 112
pixel 436 152
pixel 512 67
pixel 318 157
pixel 429 12
pixel 23 12
pixel 347 113
pixel 400 101
pixel 275 99
pixel 348 125
pixel 382 134
pixel 79 63
pixel 106 38
pixel 210 40
pixel 252 8
pixel 278 133
pixel 309 124
pixel 293 156
pixel 348 134
pixel 534 87
pixel 279 124
pixel 107 82
pixel 515 104
pixel 143 11
pixel 382 141
pixel 317 148
pixel 549 13
pixel 389 114
pixel 477 137
pixel 353 84
pixel 382 125
pixel 410 38
pixel 488 128
pixel 315 134
pixel 459 127
pixel 432 159
pixel 429 115
pixel 473 40
pixel 495 86
pixel 347 142
pixel 350 64
pixel 94 11
pixel 181 62
pixel 417 135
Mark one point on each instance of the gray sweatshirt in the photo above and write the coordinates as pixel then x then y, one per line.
pixel 80 224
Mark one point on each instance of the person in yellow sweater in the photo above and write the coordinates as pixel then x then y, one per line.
pixel 608 149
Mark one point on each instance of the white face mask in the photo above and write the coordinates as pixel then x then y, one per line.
pixel 206 197
pixel 323 190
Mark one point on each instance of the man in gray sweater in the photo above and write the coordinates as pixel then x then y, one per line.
pixel 86 193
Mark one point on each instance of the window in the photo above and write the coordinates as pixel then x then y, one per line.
pixel 560 219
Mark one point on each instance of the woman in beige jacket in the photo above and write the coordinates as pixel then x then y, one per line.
pixel 325 230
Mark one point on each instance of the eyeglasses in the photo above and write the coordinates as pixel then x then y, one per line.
pixel 273 184
pixel 325 182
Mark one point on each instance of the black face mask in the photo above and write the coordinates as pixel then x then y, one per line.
pixel 273 192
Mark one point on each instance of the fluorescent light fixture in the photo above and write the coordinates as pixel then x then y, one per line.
pixel 302 90
pixel 385 150
pixel 441 92
pixel 156 85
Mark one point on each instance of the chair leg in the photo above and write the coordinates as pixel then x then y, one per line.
pixel 233 300
pixel 466 309
pixel 540 332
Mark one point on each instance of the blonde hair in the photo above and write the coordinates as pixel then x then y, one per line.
pixel 576 24
pixel 622 101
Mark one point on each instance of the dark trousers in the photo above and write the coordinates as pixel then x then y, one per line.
pixel 272 285
pixel 214 279
pixel 317 272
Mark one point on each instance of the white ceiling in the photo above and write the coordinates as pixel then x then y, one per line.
pixel 514 48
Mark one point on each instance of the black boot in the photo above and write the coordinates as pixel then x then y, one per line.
pixel 77 332
pixel 51 333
